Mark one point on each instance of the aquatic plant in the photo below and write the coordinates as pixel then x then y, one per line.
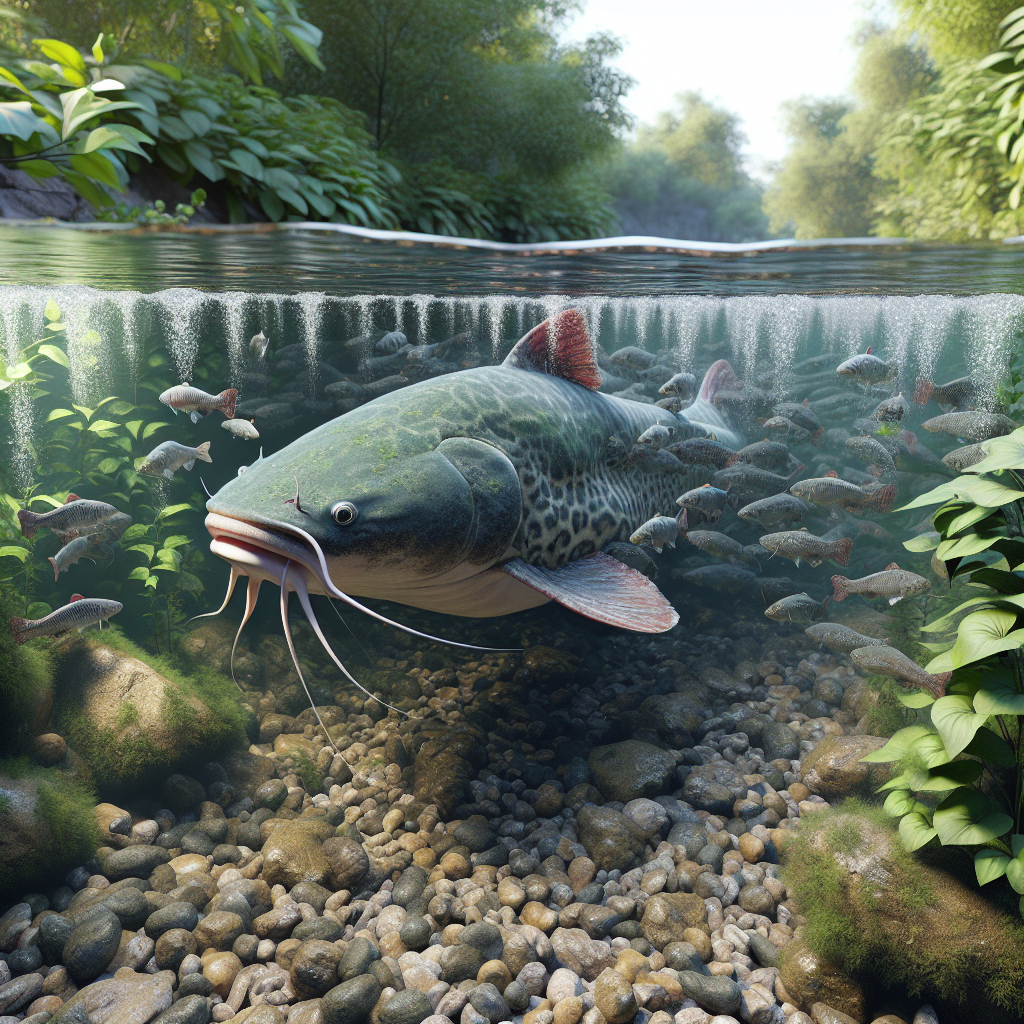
pixel 26 676
pixel 962 778
pixel 154 214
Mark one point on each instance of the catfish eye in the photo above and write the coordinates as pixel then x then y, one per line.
pixel 343 513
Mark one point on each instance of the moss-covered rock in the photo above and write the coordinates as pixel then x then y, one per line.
pixel 26 682
pixel 893 920
pixel 47 826
pixel 134 718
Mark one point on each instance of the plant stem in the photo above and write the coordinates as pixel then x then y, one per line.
pixel 156 635
pixel 167 617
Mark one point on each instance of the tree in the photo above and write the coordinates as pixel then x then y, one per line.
pixel 953 30
pixel 684 177
pixel 826 186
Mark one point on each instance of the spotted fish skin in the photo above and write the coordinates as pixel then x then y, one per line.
pixel 841 639
pixel 74 517
pixel 972 426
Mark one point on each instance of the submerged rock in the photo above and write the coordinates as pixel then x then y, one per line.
pixel 130 723
pixel 834 767
pixel 630 769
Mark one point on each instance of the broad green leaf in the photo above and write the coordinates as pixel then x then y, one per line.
pixel 1001 453
pixel 132 426
pixel 170 510
pixel 915 831
pixel 152 428
pixel 62 53
pixel 109 466
pixel 914 739
pixel 900 802
pixel 59 414
pixel 966 818
pixel 946 622
pixel 1015 874
pixel 97 167
pixel 146 549
pixel 58 355
pixel 998 695
pixel 247 163
pixel 98 425
pixel 120 408
pixel 13 551
pixel 139 573
pixel 984 633
pixel 917 699
pixel 986 492
pixel 974 514
pixel 955 718
pixel 989 865
pixel 134 531
pixel 18 119
pixel 37 609
pixel 97 49
pixel 936 496
pixel 990 746
pixel 163 68
pixel 949 776
pixel 180 540
pixel 1001 581
pixel 152 581
pixel 923 542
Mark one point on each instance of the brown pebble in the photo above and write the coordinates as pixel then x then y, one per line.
pixel 798 791
pixel 455 866
pixel 220 969
pixel 495 973
pixel 751 847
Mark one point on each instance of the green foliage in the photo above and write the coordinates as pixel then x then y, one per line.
pixel 42 843
pixel 250 38
pixel 57 121
pixel 883 942
pixel 155 214
pixel 955 29
pixel 306 770
pixel 962 777
pixel 684 178
pixel 496 126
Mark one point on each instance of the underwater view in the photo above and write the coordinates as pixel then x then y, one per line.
pixel 441 635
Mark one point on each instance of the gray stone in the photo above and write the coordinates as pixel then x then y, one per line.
pixel 713 856
pixel 485 937
pixel 756 899
pixel 630 769
pixel 270 794
pixel 683 956
pixel 123 999
pixel 129 906
pixel 23 197
pixel 475 833
pixel 714 787
pixel 668 915
pixel 648 814
pixel 357 958
pixel 409 886
pixel 585 956
pixel 92 945
pixel 487 1001
pixel 408 1007
pixel 19 992
pixel 314 969
pixel 714 993
pixel 192 1009
pixel 675 717
pixel 175 915
pixel 822 1013
pixel 460 963
pixel 834 767
pixel 351 1001
pixel 347 862
pixel 690 834
pixel 765 952
pixel 133 862
pixel 22 961
pixel 516 996
pixel 12 924
pixel 415 933
pixel 612 841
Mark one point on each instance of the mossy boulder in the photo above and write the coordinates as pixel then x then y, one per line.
pixel 900 922
pixel 26 682
pixel 135 719
pixel 47 827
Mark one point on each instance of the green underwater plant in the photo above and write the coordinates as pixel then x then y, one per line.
pixel 961 782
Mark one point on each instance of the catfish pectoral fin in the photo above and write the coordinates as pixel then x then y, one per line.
pixel 601 588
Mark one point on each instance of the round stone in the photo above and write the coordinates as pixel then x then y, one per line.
pixel 92 945
pixel 172 947
pixel 415 933
pixel 495 973
pixel 220 969
pixel 175 915
pixel 613 996
pixel 756 899
pixel 751 847
pixel 315 968
pixel 49 749
pixel 270 794
pixel 408 1007
pixel 455 866
pixel 351 1001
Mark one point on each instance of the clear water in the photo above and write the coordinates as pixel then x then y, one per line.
pixel 144 312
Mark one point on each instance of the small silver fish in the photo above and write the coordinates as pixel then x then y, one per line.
pixel 74 517
pixel 632 358
pixel 390 343
pixel 241 428
pixel 79 613
pixel 800 545
pixel 892 583
pixel 258 345
pixel 80 547
pixel 708 500
pixel 963 458
pixel 972 426
pixel 656 533
pixel 782 426
pixel 165 459
pixel 888 661
pixel 798 608
pixel 831 490
pixel 867 368
pixel 654 460
pixel 841 639
pixel 657 436
pixel 891 410
pixel 724 578
pixel 683 385
pixel 779 509
pixel 718 545
pixel 873 452
pixel 197 403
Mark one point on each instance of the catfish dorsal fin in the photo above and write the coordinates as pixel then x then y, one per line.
pixel 71 497
pixel 891 565
pixel 77 597
pixel 560 346
pixel 868 352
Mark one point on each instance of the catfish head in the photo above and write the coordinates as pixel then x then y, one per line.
pixel 368 506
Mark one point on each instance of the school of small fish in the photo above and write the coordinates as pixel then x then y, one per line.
pixel 787 494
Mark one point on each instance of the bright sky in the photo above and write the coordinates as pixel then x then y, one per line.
pixel 747 55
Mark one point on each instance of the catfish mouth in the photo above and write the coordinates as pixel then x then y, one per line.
pixel 261 552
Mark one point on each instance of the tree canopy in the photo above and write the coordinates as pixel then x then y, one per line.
pixel 684 177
